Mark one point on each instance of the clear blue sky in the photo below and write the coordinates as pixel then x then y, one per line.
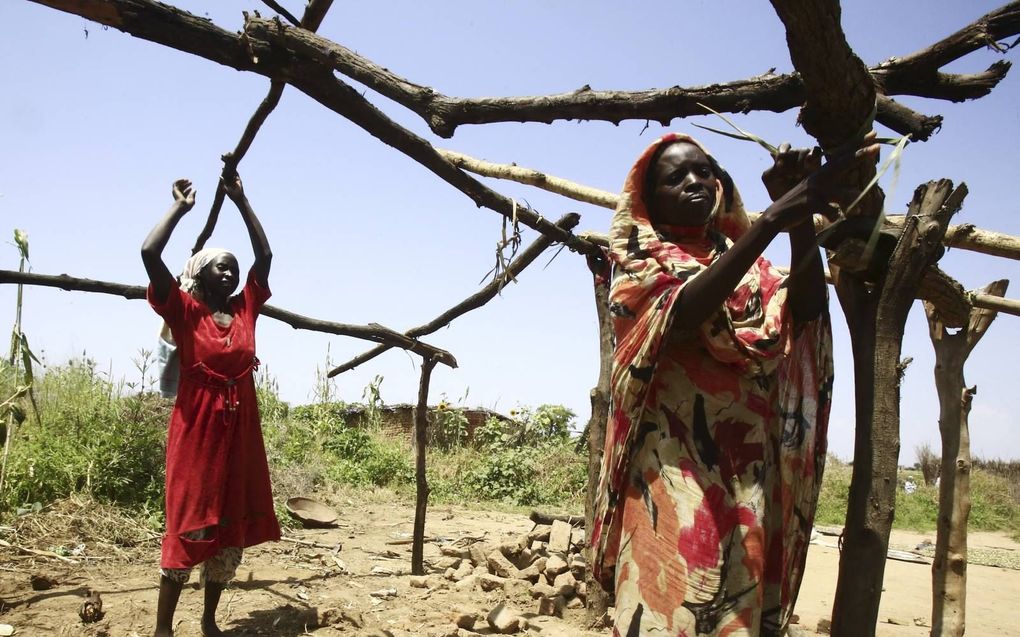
pixel 96 128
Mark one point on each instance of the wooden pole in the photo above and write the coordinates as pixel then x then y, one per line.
pixel 420 480
pixel 876 320
pixel 371 332
pixel 949 568
pixel 598 599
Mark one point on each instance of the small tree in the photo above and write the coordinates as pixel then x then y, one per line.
pixel 928 462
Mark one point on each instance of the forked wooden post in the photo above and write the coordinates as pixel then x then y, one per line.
pixel 876 319
pixel 949 568
pixel 421 482
pixel 598 600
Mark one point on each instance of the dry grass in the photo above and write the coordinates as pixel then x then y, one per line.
pixel 81 528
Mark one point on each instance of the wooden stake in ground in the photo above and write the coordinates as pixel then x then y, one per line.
pixel 949 568
pixel 598 600
pixel 876 319
pixel 421 499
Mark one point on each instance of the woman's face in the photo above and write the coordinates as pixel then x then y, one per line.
pixel 683 187
pixel 219 276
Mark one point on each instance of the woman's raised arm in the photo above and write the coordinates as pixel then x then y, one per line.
pixel 259 242
pixel 152 248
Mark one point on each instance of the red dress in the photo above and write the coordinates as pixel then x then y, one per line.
pixel 216 470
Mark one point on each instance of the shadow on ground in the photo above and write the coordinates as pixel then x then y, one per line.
pixel 282 621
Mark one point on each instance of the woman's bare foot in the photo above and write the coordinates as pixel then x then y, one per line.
pixel 210 629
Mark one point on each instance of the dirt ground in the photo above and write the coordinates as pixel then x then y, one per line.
pixel 285 589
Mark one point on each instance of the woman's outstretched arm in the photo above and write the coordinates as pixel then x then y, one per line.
pixel 259 242
pixel 806 283
pixel 152 248
pixel 707 292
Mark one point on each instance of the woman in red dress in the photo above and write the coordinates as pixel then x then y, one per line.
pixel 218 496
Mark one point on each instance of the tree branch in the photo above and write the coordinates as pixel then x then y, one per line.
pixel 180 30
pixel 275 6
pixel 315 12
pixel 444 114
pixel 768 92
pixel 964 236
pixel 1002 23
pixel 371 332
pixel 476 300
pixel 532 177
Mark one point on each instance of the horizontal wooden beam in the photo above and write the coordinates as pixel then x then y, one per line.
pixel 919 76
pixel 965 236
pixel 371 332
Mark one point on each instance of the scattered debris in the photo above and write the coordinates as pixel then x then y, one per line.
pixel 42 582
pixel 92 608
pixel 503 620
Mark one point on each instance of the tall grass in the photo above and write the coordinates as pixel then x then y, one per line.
pixel 90 439
pixel 105 439
pixel 993 505
pixel 528 460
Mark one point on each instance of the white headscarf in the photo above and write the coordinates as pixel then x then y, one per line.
pixel 193 267
pixel 166 348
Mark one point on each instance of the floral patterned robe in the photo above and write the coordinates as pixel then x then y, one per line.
pixel 716 440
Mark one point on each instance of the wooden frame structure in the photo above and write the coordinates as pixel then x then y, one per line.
pixel 838 96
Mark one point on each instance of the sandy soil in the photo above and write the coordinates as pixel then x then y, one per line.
pixel 284 589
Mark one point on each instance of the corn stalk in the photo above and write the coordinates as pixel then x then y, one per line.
pixel 20 359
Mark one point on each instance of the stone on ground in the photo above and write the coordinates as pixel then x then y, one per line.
pixel 559 537
pixel 504 620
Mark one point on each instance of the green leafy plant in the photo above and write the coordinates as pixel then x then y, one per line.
pixel 373 402
pixel 449 426
pixel 526 427
pixel 91 440
pixel 20 361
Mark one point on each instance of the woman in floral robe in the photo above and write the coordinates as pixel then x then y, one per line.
pixel 720 395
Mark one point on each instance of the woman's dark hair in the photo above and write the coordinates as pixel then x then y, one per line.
pixel 717 170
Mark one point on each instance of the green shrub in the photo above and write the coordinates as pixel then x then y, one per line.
pixel 551 474
pixel 526 427
pixel 316 435
pixel 507 476
pixel 90 440
pixel 835 490
pixel 449 426
pixel 993 506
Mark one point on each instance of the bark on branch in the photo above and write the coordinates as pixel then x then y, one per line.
pixel 767 92
pixel 949 568
pixel 595 432
pixel 315 12
pixel 180 30
pixel 965 236
pixel 475 301
pixel 371 332
pixel 421 500
pixel 876 322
